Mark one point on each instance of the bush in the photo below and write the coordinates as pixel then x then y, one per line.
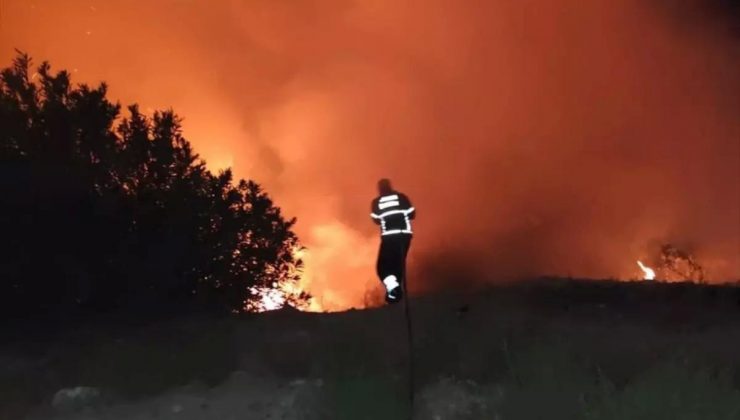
pixel 103 211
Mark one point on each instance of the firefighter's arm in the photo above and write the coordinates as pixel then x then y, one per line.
pixel 409 207
pixel 373 214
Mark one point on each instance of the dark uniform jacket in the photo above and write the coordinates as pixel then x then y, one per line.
pixel 393 212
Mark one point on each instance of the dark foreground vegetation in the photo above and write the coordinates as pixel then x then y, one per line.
pixel 546 349
pixel 110 211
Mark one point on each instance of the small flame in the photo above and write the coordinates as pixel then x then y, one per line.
pixel 280 294
pixel 270 298
pixel 649 272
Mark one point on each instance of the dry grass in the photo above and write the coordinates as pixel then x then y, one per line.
pixel 555 349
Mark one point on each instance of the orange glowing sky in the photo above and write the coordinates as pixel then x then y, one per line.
pixel 560 137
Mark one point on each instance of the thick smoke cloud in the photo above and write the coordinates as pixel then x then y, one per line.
pixel 560 137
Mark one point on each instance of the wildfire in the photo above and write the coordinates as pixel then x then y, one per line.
pixel 337 274
pixel 269 298
pixel 278 295
pixel 285 292
pixel 649 272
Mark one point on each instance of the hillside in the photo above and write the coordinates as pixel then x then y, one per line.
pixel 550 348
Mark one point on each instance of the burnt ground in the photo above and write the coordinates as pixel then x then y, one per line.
pixel 550 348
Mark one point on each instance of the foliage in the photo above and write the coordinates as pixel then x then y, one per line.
pixel 103 210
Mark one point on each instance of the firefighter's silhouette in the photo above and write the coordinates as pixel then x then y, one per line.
pixel 393 212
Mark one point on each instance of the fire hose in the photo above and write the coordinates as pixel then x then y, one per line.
pixel 409 335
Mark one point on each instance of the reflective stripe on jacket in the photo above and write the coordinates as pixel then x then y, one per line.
pixel 393 212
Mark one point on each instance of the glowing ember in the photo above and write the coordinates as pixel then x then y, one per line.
pixel 649 272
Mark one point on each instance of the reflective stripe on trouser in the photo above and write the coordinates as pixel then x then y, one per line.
pixel 392 257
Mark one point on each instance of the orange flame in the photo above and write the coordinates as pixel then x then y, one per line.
pixel 339 267
pixel 649 272
pixel 285 292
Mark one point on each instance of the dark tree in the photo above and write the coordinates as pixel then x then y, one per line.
pixel 104 211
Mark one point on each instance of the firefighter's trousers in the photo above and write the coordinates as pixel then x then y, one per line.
pixel 392 256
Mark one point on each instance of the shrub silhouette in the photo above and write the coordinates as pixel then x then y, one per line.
pixel 106 211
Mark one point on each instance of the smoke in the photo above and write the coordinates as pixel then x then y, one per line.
pixel 534 137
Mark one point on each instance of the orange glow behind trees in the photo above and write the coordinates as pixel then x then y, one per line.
pixel 523 131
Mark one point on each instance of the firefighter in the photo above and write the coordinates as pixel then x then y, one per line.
pixel 393 212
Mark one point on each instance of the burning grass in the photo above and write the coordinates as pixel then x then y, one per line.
pixel 669 264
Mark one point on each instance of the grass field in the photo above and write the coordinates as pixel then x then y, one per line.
pixel 546 349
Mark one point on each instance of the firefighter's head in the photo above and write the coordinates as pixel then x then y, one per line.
pixel 384 186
